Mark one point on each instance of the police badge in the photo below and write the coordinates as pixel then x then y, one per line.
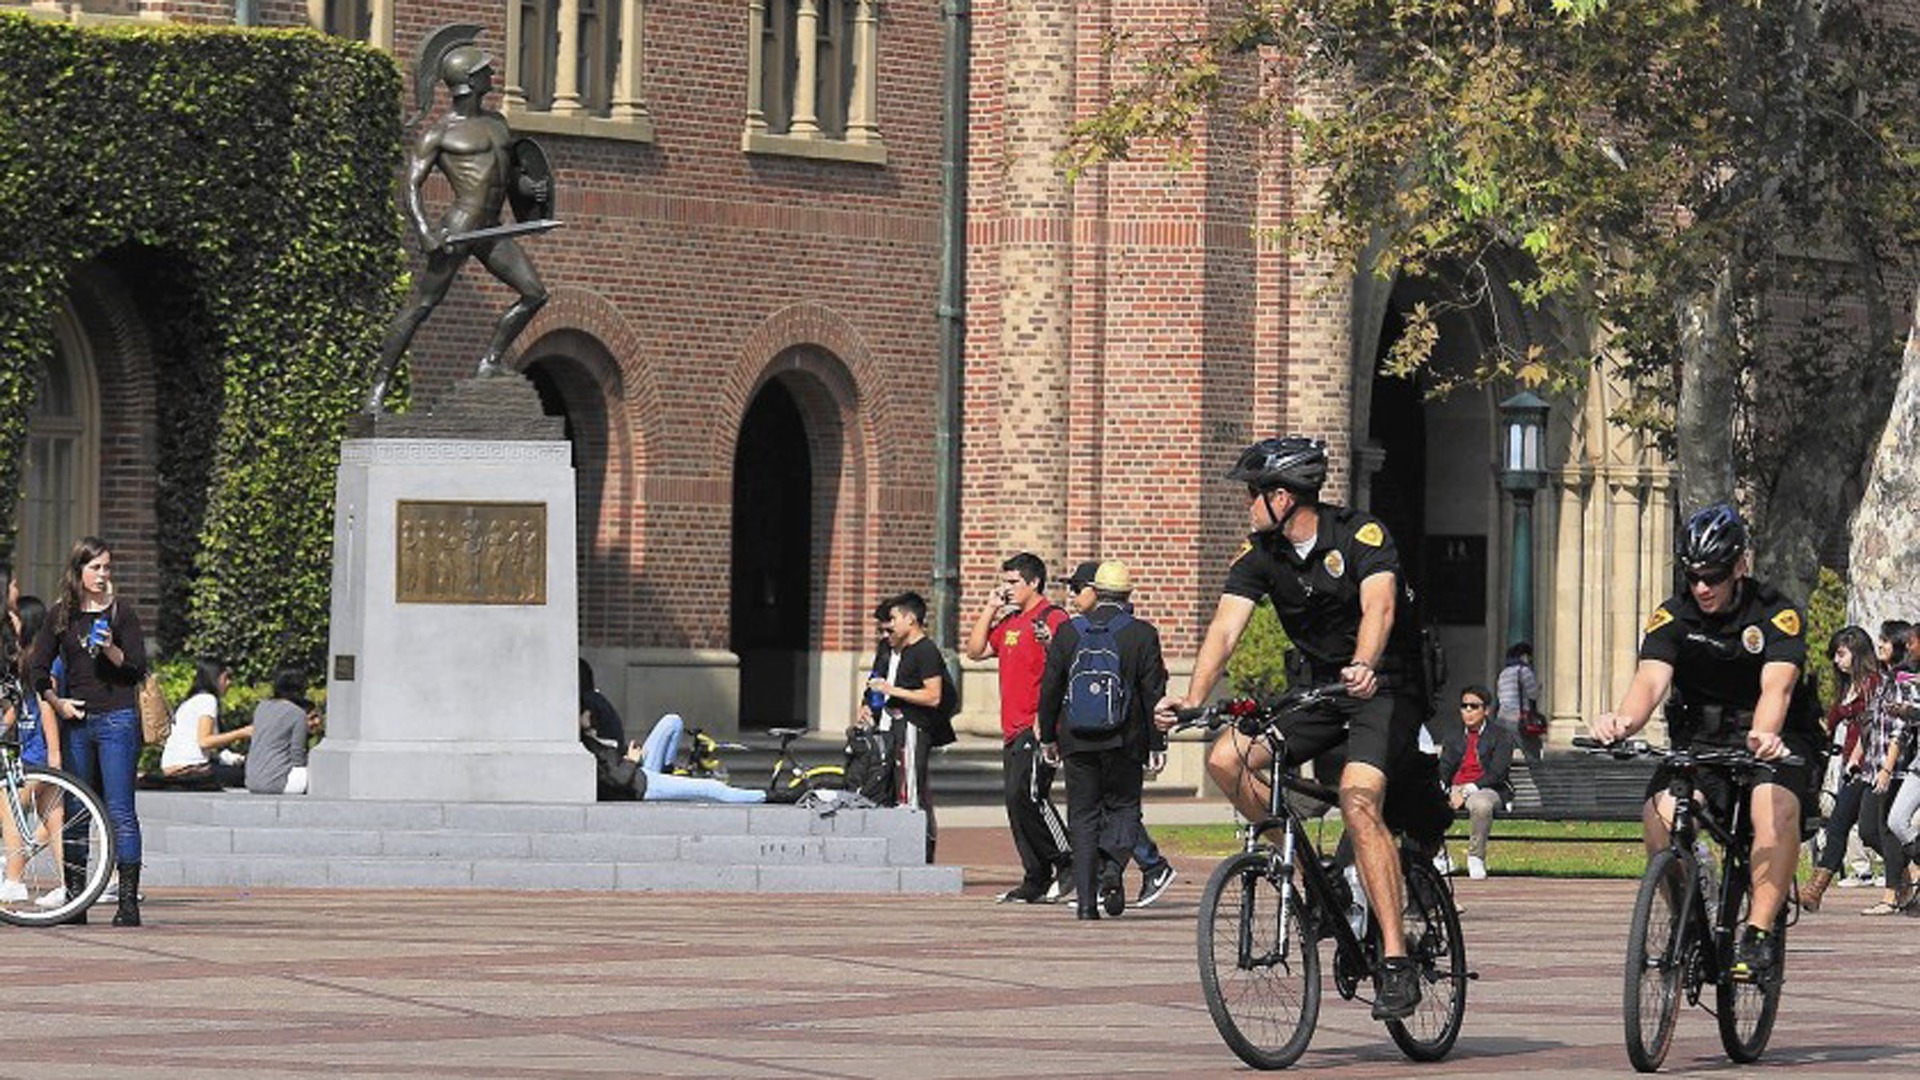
pixel 1335 563
pixel 1753 639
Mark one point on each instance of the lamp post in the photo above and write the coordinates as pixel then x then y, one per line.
pixel 1523 471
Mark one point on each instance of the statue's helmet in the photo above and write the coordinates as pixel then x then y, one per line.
pixel 460 64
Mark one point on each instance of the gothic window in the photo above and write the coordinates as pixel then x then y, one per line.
pixel 573 66
pixel 812 79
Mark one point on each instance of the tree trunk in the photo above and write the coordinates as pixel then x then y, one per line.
pixel 1703 425
pixel 1885 549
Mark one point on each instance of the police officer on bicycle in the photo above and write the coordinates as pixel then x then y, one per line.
pixel 1731 650
pixel 1334 578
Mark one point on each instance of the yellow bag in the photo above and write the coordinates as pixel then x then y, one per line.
pixel 156 716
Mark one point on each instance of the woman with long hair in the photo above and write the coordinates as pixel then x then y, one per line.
pixel 1858 677
pixel 1883 766
pixel 99 642
pixel 197 749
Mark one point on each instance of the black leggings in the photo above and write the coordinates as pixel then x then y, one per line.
pixel 1846 812
pixel 1874 833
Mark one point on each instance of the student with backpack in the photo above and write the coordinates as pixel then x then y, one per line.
pixel 1016 626
pixel 1104 673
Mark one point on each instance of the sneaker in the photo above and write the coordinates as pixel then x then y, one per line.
pixel 1855 881
pixel 1443 863
pixel 1154 884
pixel 1024 893
pixel 1753 960
pixel 1397 989
pixel 53 898
pixel 110 894
pixel 12 892
pixel 1113 898
pixel 1476 867
pixel 1062 890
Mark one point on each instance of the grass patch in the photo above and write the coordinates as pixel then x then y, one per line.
pixel 1583 849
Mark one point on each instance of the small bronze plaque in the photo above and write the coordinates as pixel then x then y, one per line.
pixel 471 553
pixel 343 668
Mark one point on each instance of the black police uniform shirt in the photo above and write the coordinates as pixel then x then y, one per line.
pixel 1317 597
pixel 1717 658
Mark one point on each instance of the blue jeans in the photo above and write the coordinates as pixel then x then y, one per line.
pixel 656 754
pixel 104 753
pixel 1146 853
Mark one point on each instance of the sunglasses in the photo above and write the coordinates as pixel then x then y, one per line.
pixel 1473 705
pixel 1709 578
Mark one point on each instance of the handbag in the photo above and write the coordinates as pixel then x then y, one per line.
pixel 1532 724
pixel 156 716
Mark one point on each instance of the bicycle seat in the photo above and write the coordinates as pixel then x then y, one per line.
pixel 786 732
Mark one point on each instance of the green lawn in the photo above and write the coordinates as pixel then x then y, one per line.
pixel 1603 849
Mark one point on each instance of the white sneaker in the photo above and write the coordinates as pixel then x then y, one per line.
pixel 1476 867
pixel 1443 863
pixel 53 898
pixel 12 892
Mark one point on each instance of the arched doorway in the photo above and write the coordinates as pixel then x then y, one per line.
pixel 59 477
pixel 561 368
pixel 772 602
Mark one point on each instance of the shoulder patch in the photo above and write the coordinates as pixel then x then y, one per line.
pixel 1788 622
pixel 1660 617
pixel 1371 534
pixel 1245 546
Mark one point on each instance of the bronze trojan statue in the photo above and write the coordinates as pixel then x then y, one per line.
pixel 487 168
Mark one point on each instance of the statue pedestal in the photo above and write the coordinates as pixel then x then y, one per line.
pixel 452 671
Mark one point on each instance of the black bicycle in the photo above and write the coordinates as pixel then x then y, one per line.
pixel 1266 910
pixel 1686 926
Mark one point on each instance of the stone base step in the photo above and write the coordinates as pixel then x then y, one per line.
pixel 525 875
pixel 236 839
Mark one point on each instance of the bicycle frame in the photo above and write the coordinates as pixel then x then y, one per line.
pixel 1689 817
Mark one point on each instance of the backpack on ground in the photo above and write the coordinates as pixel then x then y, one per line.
pixel 870 765
pixel 1097 693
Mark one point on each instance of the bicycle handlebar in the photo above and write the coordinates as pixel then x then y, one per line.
pixel 1727 757
pixel 1251 717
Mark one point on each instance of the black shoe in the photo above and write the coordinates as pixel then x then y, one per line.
pixel 1754 958
pixel 1113 898
pixel 129 910
pixel 1024 893
pixel 1062 891
pixel 1087 913
pixel 1154 884
pixel 1397 991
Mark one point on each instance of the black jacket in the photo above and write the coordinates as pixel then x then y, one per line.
pixel 1497 745
pixel 615 778
pixel 1141 665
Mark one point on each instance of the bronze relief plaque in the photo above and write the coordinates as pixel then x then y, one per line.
pixel 471 553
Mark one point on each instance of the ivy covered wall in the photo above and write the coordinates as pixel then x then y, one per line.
pixel 259 166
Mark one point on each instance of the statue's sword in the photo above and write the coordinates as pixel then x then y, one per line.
pixel 518 228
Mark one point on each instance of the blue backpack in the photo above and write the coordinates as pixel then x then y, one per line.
pixel 1097 693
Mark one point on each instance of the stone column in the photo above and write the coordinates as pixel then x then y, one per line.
pixel 862 112
pixel 629 96
pixel 756 67
pixel 806 120
pixel 566 74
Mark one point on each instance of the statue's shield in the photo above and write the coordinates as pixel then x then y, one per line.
pixel 529 162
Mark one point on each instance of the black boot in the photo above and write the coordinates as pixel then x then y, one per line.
pixel 75 878
pixel 129 913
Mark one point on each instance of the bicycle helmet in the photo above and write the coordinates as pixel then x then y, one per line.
pixel 1294 462
pixel 1715 538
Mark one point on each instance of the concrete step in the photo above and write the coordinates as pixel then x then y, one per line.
pixel 528 875
pixel 236 839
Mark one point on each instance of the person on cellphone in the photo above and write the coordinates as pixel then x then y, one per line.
pixel 98 641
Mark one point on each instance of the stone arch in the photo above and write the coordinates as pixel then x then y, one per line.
pixel 580 380
pixel 773 343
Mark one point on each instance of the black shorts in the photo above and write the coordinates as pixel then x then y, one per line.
pixel 1378 731
pixel 1717 784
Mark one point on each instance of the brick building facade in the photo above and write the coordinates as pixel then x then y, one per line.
pixel 742 337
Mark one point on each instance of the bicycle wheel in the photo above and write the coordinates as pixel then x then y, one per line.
pixel 1656 963
pixel 822 778
pixel 1436 948
pixel 1746 1010
pixel 1259 967
pixel 65 826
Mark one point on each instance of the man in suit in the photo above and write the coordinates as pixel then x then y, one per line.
pixel 1473 763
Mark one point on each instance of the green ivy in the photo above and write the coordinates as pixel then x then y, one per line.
pixel 251 173
pixel 1826 616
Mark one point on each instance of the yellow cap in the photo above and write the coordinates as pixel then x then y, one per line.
pixel 1113 577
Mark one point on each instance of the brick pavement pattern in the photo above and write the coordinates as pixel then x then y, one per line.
pixel 229 983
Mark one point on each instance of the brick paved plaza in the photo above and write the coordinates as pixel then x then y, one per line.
pixel 493 984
